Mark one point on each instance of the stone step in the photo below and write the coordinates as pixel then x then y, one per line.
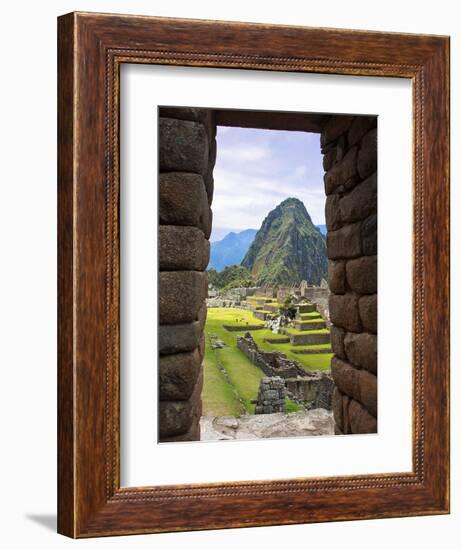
pixel 309 325
pixel 306 308
pixel 306 338
pixel 311 351
pixel 273 308
pixel 308 316
pixel 261 299
pixel 261 314
pixel 242 328
pixel 277 340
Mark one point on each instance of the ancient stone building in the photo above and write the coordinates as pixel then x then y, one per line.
pixel 187 151
pixel 349 145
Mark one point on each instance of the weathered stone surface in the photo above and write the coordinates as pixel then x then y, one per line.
pixel 332 212
pixel 174 418
pixel 201 347
pixel 368 307
pixel 346 429
pixel 368 391
pixel 337 276
pixel 345 242
pixel 182 248
pixel 346 377
pixel 192 434
pixel 208 225
pixel 329 158
pixel 361 350
pixel 178 338
pixel 258 426
pixel 358 384
pixel 341 147
pixel 361 421
pixel 359 127
pixel 178 374
pixel 337 341
pixel 369 235
pixel 209 186
pixel 336 126
pixel 209 180
pixel 181 296
pixel 367 159
pixel 183 200
pixel 344 312
pixel 179 417
pixel 186 113
pixel 360 202
pixel 338 409
pixel 183 146
pixel 202 314
pixel 362 274
pixel 341 172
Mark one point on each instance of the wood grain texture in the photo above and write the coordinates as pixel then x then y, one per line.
pixel 91 48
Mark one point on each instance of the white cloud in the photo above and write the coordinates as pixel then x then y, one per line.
pixel 257 169
pixel 238 153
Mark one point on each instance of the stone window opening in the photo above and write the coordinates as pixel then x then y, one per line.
pixel 187 154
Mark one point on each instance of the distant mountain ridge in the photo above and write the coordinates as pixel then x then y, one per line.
pixel 322 228
pixel 288 248
pixel 230 250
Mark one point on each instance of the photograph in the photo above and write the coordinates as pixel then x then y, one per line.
pixel 272 331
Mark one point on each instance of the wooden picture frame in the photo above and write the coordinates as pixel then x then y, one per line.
pixel 92 47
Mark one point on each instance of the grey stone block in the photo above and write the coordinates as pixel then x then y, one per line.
pixel 181 296
pixel 183 146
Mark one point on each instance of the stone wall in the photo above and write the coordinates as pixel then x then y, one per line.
pixel 315 390
pixel 187 152
pixel 271 396
pixel 349 145
pixel 272 363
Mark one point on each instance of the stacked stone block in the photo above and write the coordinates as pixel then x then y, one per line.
pixel 271 396
pixel 187 152
pixel 349 145
pixel 272 363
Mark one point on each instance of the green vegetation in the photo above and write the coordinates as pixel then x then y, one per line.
pixel 288 308
pixel 292 406
pixel 288 248
pixel 307 361
pixel 233 276
pixel 232 317
pixel 244 376
pixel 220 395
pixel 311 315
pixel 296 331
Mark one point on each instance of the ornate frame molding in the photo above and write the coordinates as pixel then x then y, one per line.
pixel 91 49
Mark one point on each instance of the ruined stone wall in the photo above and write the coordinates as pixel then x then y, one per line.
pixel 349 145
pixel 315 388
pixel 271 396
pixel 187 152
pixel 272 363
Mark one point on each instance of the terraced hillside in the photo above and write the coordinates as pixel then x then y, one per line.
pixel 231 381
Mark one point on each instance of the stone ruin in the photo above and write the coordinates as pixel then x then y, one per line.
pixel 310 389
pixel 187 153
pixel 272 363
pixel 313 391
pixel 271 396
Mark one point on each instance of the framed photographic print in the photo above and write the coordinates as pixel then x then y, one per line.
pixel 235 349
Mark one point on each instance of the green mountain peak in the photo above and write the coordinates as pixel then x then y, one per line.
pixel 288 248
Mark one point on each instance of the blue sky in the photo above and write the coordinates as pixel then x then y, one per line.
pixel 257 169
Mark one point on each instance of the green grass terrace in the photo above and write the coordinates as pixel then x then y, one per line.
pixel 231 380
